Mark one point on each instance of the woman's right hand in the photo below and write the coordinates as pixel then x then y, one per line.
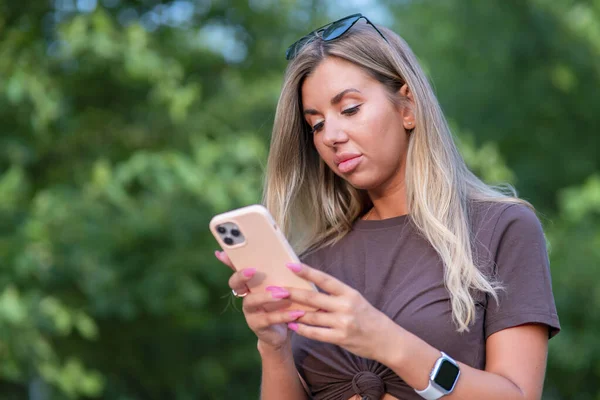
pixel 269 326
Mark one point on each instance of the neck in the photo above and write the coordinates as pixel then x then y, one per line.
pixel 389 202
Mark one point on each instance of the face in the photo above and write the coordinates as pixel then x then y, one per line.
pixel 358 132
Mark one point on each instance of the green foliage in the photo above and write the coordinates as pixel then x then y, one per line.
pixel 126 125
pixel 521 74
pixel 575 254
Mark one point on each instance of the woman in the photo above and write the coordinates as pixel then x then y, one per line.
pixel 432 284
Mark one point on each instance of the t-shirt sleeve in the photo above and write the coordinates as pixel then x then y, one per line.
pixel 523 269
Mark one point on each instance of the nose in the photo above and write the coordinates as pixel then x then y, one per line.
pixel 334 133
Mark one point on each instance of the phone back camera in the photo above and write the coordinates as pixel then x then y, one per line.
pixel 230 234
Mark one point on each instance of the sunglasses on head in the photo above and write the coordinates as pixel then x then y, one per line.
pixel 328 32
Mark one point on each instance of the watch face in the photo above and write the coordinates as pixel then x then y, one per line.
pixel 446 375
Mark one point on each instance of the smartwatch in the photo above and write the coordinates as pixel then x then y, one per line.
pixel 442 379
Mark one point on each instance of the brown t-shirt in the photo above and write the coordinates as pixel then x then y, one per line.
pixel 400 273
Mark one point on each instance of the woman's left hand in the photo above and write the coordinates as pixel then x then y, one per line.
pixel 344 317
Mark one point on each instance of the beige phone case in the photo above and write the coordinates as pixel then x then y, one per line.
pixel 264 247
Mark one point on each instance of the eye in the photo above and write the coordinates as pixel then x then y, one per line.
pixel 351 110
pixel 317 127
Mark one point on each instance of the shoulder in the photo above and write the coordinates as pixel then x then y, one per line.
pixel 518 222
pixel 520 264
pixel 496 219
pixel 498 227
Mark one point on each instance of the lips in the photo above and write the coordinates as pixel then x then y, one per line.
pixel 349 163
pixel 343 157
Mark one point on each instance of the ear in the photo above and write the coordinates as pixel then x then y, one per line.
pixel 406 92
pixel 408 115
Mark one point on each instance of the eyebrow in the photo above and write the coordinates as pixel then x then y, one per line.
pixel 334 100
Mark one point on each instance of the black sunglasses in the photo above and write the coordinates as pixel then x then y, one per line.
pixel 328 32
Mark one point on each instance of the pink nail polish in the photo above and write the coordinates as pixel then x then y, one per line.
pixel 248 272
pixel 279 294
pixel 296 314
pixel 274 288
pixel 294 267
pixel 293 326
pixel 218 254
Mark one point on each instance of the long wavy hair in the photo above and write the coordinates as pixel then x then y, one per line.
pixel 316 208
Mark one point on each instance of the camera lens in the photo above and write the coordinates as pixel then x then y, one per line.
pixel 228 241
pixel 235 232
pixel 221 230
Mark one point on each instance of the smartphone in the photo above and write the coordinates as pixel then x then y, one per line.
pixel 251 239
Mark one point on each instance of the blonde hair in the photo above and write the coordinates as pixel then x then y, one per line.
pixel 316 208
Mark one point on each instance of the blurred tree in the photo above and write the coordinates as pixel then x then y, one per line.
pixel 127 124
pixel 523 74
pixel 120 123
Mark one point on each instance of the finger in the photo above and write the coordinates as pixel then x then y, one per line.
pixel 262 321
pixel 256 302
pixel 316 300
pixel 238 280
pixel 325 281
pixel 320 319
pixel 224 258
pixel 316 333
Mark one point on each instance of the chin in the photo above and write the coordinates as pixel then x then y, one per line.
pixel 362 182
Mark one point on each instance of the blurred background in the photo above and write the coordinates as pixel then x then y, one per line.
pixel 125 125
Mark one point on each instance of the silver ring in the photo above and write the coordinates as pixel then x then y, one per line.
pixel 236 294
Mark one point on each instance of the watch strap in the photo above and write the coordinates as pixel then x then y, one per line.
pixel 430 392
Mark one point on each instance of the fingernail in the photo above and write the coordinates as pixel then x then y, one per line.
pixel 293 326
pixel 296 314
pixel 294 267
pixel 274 288
pixel 248 272
pixel 280 294
pixel 218 254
